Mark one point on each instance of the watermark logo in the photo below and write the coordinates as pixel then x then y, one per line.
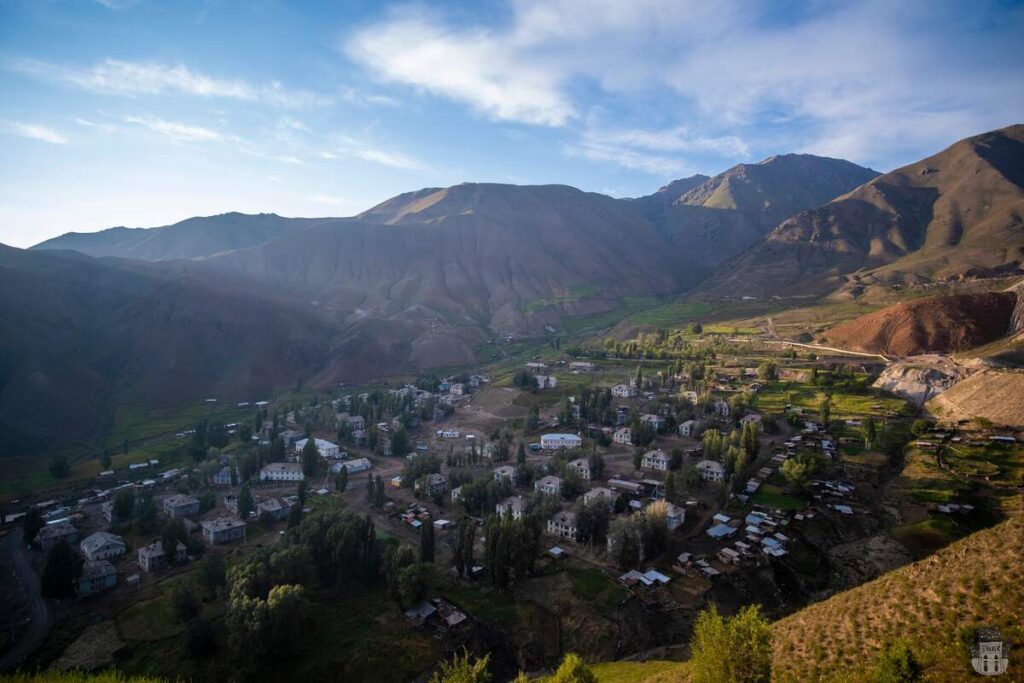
pixel 990 656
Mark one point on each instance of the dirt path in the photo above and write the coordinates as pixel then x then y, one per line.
pixel 42 618
pixel 818 347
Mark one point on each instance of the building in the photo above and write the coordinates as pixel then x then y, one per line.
pixel 51 534
pixel 546 381
pixel 506 472
pixel 223 530
pixel 102 546
pixel 282 471
pixel 551 442
pixel 536 367
pixel 325 448
pixel 600 493
pixel 563 524
pixel 752 418
pixel 107 509
pixel 674 516
pixel 353 466
pixel 623 391
pixel 223 477
pixel 655 422
pixel 657 460
pixel 623 435
pixel 152 557
pixel 456 494
pixel 711 470
pixel 457 389
pixel 581 366
pixel 581 468
pixel 277 508
pixel 96 577
pixel 432 485
pixel 549 485
pixel 691 428
pixel 180 505
pixel 354 422
pixel 719 407
pixel 516 506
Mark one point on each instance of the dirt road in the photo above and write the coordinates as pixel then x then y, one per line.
pixel 42 618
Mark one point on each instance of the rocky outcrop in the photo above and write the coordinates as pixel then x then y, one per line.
pixel 921 378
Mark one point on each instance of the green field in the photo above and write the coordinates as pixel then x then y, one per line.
pixel 597 588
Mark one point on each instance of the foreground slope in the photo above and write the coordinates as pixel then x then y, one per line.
pixel 78 335
pixel 959 213
pixel 940 324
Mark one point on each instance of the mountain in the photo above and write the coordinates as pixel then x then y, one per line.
pixel 191 238
pixel 953 215
pixel 940 324
pixel 79 335
pixel 501 256
pixel 711 219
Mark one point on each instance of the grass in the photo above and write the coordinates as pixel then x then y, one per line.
pixel 656 671
pixel 487 605
pixel 597 588
pixel 773 497
pixel 927 536
pixel 575 295
pixel 76 677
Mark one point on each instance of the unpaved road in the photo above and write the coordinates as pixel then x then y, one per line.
pixel 42 618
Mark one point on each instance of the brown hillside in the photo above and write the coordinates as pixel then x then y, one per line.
pixel 941 324
pixel 957 213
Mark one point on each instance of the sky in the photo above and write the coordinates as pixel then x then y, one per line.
pixel 144 113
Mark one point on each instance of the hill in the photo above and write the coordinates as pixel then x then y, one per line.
pixel 957 214
pixel 940 324
pixel 714 218
pixel 191 238
pixel 79 335
pixel 994 395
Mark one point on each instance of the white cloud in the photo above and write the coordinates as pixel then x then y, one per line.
pixel 344 146
pixel 328 200
pixel 34 131
pixel 626 157
pixel 473 66
pixel 179 132
pixel 117 77
pixel 367 99
pixel 873 79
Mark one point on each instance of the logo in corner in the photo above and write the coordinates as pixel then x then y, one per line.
pixel 990 655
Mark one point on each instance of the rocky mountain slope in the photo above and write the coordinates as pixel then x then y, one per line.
pixel 941 324
pixel 959 213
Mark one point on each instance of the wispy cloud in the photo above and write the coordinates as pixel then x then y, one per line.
pixel 871 79
pixel 33 131
pixel 117 77
pixel 179 132
pixel 118 4
pixel 344 146
pixel 657 152
pixel 367 99
pixel 329 200
pixel 637 160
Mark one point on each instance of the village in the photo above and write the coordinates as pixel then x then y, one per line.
pixel 663 482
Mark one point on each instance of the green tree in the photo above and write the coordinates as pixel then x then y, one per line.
pixel 59 467
pixel 341 480
pixel 427 542
pixel 736 650
pixel 573 670
pixel 245 503
pixel 310 458
pixel 123 506
pixel 919 427
pixel 63 567
pixel 463 669
pixel 897 664
pixel 145 514
pixel 302 493
pixel 105 460
pixel 184 602
pixel 399 443
pixel 295 516
pixel 31 525
pixel 825 412
pixel 212 574
pixel 870 434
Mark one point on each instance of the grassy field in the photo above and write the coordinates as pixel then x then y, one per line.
pixel 597 588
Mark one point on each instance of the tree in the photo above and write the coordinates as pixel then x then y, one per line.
pixel 171 535
pixel 105 460
pixel 59 467
pixel 919 427
pixel 341 480
pixel 573 670
pixel 826 412
pixel 463 669
pixel 870 434
pixel 212 573
pixel 399 443
pixel 427 542
pixel 639 377
pixel 768 371
pixel 295 516
pixel 521 455
pixel 736 650
pixel 897 664
pixel 145 514
pixel 63 567
pixel 310 458
pixel 32 525
pixel 186 606
pixel 244 502
pixel 123 506
pixel 302 493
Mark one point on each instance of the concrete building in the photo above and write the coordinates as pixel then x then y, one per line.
pixel 180 505
pixel 102 545
pixel 223 530
pixel 152 557
pixel 282 471
pixel 551 442
pixel 97 576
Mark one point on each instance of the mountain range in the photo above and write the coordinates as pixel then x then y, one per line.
pixel 240 304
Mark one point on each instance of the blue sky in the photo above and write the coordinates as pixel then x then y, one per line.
pixel 143 113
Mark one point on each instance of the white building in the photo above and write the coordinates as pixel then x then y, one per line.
pixel 581 366
pixel 516 506
pixel 719 407
pixel 581 468
pixel 102 546
pixel 752 418
pixel 690 428
pixel 223 530
pixel 282 471
pixel 656 460
pixel 623 391
pixel 711 470
pixel 325 448
pixel 546 381
pixel 179 505
pixel 563 524
pixel 506 472
pixel 560 441
pixel 600 493
pixel 549 485
pixel 623 435
pixel 674 516
pixel 655 422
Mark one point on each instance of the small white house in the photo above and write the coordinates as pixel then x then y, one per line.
pixel 623 435
pixel 691 428
pixel 581 468
pixel 656 460
pixel 516 506
pixel 505 472
pixel 563 524
pixel 655 422
pixel 102 546
pixel 623 391
pixel 325 448
pixel 549 485
pixel 711 470
pixel 600 493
